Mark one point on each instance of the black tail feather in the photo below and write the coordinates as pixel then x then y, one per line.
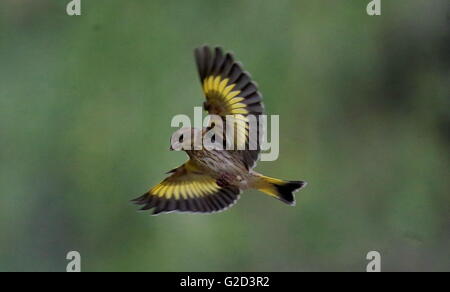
pixel 286 191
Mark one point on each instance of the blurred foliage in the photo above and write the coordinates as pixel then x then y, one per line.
pixel 85 110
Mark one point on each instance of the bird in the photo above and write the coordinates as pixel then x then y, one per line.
pixel 212 181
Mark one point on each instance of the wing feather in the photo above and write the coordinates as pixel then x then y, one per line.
pixel 230 91
pixel 188 189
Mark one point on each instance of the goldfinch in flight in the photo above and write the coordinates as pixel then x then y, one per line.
pixel 212 180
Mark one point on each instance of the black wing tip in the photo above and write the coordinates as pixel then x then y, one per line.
pixel 218 49
pixel 209 52
pixel 209 48
pixel 140 200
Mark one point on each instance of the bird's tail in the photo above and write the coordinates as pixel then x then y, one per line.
pixel 280 189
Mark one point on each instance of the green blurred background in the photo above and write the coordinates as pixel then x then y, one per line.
pixel 85 110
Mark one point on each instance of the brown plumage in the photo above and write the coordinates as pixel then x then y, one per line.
pixel 212 180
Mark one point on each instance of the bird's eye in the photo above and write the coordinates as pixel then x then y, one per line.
pixel 180 139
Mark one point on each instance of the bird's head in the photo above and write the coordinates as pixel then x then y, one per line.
pixel 185 139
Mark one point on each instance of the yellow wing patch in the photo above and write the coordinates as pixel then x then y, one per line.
pixel 188 189
pixel 197 187
pixel 222 98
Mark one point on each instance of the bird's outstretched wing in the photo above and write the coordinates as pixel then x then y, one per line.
pixel 188 189
pixel 230 91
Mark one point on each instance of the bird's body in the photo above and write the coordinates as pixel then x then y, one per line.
pixel 213 179
pixel 225 166
pixel 218 163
